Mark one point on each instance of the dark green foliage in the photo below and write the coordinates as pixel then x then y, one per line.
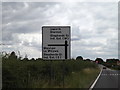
pixel 112 61
pixel 79 58
pixel 88 60
pixel 100 60
pixel 25 73
pixel 12 56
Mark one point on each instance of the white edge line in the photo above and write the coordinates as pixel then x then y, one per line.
pixel 95 80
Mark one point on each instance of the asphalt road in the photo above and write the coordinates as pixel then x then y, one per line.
pixel 108 79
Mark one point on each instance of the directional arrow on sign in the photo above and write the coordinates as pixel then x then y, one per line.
pixel 61 45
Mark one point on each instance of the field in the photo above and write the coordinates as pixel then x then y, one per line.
pixel 22 73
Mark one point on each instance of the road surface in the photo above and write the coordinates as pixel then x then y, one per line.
pixel 108 79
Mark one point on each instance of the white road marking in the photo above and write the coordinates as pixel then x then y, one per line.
pixel 95 80
pixel 110 74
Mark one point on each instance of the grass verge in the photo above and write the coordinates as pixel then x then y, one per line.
pixel 47 74
pixel 82 79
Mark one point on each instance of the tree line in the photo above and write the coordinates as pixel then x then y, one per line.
pixel 110 63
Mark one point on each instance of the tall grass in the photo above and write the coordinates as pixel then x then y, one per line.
pixel 46 74
pixel 82 79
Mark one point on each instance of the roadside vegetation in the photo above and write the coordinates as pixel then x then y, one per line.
pixel 110 63
pixel 18 72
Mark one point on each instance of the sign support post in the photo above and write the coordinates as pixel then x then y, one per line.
pixel 56 45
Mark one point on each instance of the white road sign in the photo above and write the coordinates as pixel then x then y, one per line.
pixel 56 42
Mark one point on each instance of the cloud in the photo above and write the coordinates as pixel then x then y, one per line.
pixel 93 26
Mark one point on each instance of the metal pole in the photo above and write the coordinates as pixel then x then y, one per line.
pixel 63 74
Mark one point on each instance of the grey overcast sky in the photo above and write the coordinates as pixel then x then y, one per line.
pixel 94 27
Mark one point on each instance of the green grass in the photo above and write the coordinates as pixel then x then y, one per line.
pixel 82 79
pixel 47 74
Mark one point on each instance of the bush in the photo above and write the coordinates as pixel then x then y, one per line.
pixel 38 73
pixel 79 58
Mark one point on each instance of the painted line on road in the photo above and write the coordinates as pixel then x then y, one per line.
pixel 110 74
pixel 95 80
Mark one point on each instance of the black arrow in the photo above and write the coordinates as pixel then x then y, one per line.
pixel 61 45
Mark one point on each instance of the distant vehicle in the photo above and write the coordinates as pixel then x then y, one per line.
pixel 104 67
